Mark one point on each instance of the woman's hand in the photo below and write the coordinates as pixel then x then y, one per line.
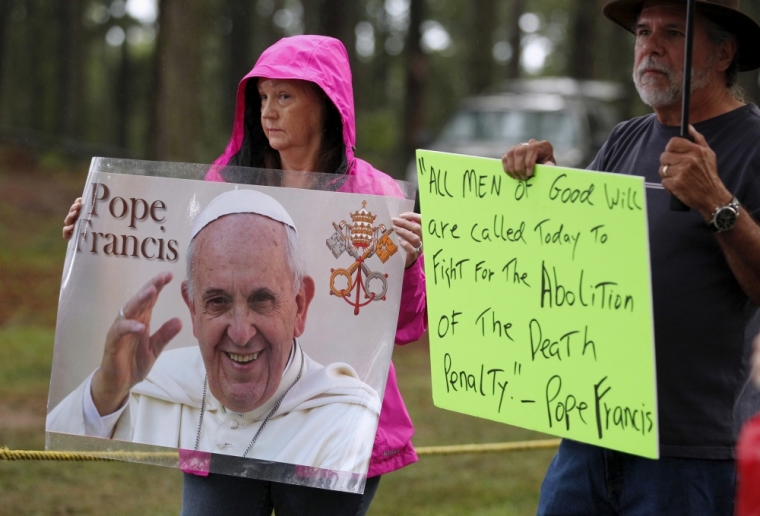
pixel 70 221
pixel 131 350
pixel 409 229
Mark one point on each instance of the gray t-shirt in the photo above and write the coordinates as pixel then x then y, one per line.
pixel 703 320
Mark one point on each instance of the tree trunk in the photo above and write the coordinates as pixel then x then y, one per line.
pixel 72 54
pixel 515 39
pixel 239 52
pixel 177 129
pixel 5 11
pixel 151 133
pixel 123 97
pixel 615 62
pixel 416 73
pixel 38 32
pixel 749 81
pixel 264 34
pixel 585 14
pixel 337 18
pixel 480 64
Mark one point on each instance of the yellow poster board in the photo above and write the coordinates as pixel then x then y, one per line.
pixel 539 299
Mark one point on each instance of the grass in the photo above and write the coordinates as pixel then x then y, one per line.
pixel 505 484
pixel 33 202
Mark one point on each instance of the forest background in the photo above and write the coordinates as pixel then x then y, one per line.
pixel 156 79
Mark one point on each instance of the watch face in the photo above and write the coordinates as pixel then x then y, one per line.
pixel 725 218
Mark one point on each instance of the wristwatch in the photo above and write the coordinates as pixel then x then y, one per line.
pixel 724 217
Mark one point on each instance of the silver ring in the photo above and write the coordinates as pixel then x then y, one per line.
pixel 121 313
pixel 418 248
pixel 665 171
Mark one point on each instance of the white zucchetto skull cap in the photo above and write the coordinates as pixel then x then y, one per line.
pixel 241 201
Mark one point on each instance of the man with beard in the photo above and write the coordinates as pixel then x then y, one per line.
pixel 705 263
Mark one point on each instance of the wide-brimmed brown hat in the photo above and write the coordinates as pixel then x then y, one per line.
pixel 725 13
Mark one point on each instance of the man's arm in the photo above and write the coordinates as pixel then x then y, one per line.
pixel 741 246
pixel 692 176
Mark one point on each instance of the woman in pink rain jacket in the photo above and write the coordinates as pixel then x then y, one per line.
pixel 323 62
pixel 295 111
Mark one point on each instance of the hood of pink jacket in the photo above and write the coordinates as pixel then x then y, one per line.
pixel 318 59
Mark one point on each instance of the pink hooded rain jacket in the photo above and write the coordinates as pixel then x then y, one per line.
pixel 324 61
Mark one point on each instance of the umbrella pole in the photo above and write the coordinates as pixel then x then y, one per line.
pixel 675 202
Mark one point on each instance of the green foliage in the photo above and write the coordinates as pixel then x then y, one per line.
pixel 52 160
pixel 505 484
pixel 377 138
pixel 60 488
pixel 25 358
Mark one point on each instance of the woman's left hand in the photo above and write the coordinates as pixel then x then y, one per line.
pixel 409 229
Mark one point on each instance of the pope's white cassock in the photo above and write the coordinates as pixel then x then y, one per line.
pixel 327 420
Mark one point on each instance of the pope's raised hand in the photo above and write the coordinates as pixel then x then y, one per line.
pixel 131 350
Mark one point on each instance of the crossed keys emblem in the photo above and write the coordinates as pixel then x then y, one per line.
pixel 361 240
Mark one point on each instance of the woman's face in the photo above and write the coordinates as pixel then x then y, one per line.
pixel 291 116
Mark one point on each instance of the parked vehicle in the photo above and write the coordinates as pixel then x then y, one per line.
pixel 576 116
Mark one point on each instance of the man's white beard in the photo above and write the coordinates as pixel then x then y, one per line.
pixel 670 93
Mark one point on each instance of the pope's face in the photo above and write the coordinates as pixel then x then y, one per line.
pixel 244 308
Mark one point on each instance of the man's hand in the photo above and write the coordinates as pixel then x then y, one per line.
pixel 130 349
pixel 689 171
pixel 71 218
pixel 520 160
pixel 408 228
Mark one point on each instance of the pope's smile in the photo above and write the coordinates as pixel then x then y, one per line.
pixel 242 359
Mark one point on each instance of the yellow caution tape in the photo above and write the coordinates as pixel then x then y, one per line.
pixel 7 454
pixel 489 448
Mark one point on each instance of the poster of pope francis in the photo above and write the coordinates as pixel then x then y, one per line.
pixel 249 328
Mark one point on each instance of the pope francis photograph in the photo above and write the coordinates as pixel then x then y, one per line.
pixel 247 389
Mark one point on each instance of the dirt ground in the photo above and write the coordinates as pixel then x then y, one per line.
pixel 35 195
pixel 34 199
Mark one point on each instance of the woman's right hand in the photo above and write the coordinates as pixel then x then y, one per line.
pixel 409 229
pixel 70 221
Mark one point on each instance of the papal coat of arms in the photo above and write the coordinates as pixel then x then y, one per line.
pixel 361 240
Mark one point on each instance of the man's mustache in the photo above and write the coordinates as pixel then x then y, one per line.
pixel 649 64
